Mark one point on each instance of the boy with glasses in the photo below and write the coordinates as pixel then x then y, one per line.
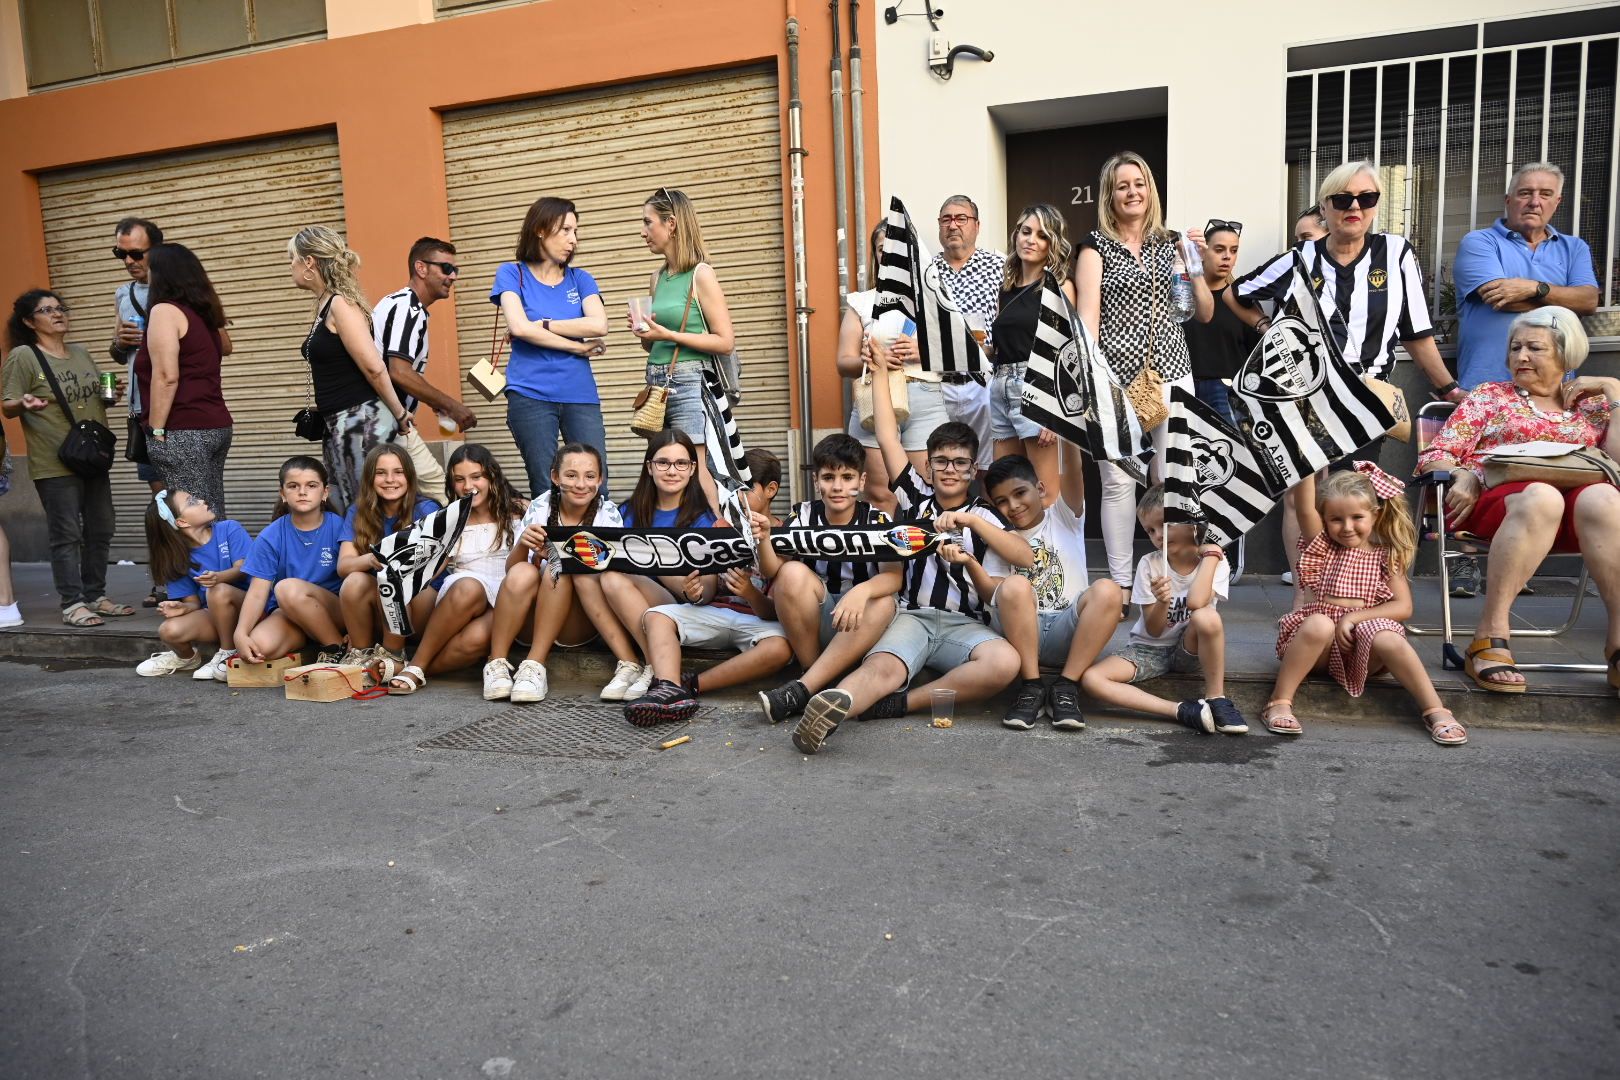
pixel 944 596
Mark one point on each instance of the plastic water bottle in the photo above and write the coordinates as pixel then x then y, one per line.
pixel 1189 255
pixel 1181 289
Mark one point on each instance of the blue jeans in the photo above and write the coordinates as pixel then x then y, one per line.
pixel 1213 392
pixel 535 425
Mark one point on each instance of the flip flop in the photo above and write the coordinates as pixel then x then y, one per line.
pixel 409 680
pixel 1447 731
pixel 1280 709
pixel 81 616
pixel 1494 652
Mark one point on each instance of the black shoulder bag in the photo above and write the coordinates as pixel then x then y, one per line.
pixel 88 449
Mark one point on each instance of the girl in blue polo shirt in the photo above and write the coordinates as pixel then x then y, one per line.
pixel 387 502
pixel 200 560
pixel 293 596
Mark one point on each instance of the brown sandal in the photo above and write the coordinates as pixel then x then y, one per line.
pixel 81 616
pixel 1494 651
pixel 1445 729
pixel 108 606
pixel 1276 711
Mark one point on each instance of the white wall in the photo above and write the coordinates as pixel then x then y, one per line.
pixel 1225 64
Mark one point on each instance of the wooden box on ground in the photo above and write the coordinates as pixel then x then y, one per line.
pixel 240 673
pixel 327 682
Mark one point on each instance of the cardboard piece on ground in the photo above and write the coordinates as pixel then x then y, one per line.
pixel 240 673
pixel 327 682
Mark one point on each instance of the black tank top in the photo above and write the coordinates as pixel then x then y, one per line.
pixel 1014 328
pixel 339 382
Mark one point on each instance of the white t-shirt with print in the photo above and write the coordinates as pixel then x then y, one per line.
pixel 1059 544
pixel 1152 565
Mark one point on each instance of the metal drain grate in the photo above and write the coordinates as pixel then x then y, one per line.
pixel 560 728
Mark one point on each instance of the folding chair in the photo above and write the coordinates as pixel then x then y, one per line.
pixel 1459 544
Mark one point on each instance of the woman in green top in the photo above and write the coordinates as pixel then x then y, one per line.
pixel 78 510
pixel 690 323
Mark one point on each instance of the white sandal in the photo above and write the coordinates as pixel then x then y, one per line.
pixel 409 680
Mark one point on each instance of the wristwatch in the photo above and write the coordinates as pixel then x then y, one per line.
pixel 545 324
pixel 1542 289
pixel 159 433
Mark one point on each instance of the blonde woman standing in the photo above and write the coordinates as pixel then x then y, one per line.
pixel 1123 281
pixel 690 324
pixel 353 393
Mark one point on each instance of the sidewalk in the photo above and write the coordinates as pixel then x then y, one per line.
pixel 1556 699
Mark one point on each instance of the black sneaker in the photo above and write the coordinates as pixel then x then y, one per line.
pixel 1465 578
pixel 1063 701
pixel 1197 715
pixel 662 703
pixel 783 703
pixel 888 707
pixel 822 715
pixel 1026 706
pixel 1228 721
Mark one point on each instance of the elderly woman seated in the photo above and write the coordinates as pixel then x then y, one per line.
pixel 1524 521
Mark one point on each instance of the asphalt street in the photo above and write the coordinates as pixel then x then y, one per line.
pixel 195 884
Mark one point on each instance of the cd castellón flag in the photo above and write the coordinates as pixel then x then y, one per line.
pixel 661 552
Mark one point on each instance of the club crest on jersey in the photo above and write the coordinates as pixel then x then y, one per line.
pixel 591 552
pixel 907 539
pixel 1290 363
pixel 1378 278
pixel 1215 461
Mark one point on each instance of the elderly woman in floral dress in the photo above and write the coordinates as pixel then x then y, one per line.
pixel 1524 521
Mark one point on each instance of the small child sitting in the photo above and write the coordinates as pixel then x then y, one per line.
pixel 1179 629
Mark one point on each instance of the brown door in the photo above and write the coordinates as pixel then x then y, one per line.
pixel 1060 166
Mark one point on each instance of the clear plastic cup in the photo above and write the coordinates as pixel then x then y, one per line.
pixel 640 308
pixel 448 425
pixel 944 705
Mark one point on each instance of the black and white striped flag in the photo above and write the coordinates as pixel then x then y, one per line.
pixel 1212 476
pixel 1069 389
pixel 413 557
pixel 908 282
pixel 1301 404
pixel 732 475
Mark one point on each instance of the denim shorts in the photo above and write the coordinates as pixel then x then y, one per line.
pixel 1056 633
pixel 927 404
pixel 703 627
pixel 942 640
pixel 1007 404
pixel 1154 660
pixel 685 408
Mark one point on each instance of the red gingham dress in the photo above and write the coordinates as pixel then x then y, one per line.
pixel 1330 570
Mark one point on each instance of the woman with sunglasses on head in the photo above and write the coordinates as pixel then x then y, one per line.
pixel 1124 285
pixel 1219 347
pixel 79 513
pixel 177 371
pixel 689 324
pixel 555 314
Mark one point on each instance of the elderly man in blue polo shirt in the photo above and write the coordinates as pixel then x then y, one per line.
pixel 1518 264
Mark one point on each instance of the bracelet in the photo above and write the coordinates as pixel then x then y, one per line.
pixel 1212 554
pixel 1263 325
pixel 1442 391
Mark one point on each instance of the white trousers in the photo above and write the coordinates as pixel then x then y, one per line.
pixel 1119 501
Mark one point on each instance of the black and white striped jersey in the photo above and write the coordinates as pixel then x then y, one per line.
pixel 1371 305
pixel 399 325
pixel 931 582
pixel 839 576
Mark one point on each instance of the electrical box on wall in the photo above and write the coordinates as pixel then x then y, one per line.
pixel 938 48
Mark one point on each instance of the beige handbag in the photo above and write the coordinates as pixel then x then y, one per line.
pixel 1588 465
pixel 1146 391
pixel 652 404
pixel 897 393
pixel 486 376
pixel 1395 401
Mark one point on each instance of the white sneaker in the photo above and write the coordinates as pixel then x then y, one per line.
pixel 529 684
pixel 640 686
pixel 1287 577
pixel 167 663
pixel 624 677
pixel 355 657
pixel 216 662
pixel 10 615
pixel 497 679
pixel 222 665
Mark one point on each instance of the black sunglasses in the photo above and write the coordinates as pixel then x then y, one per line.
pixel 1344 200
pixel 1216 225
pixel 448 269
pixel 121 254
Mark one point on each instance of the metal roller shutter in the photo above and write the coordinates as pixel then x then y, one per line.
pixel 715 136
pixel 235 206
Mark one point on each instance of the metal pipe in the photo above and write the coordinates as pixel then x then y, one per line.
pixel 801 289
pixel 858 138
pixel 840 173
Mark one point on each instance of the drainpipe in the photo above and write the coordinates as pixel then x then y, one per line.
pixel 840 174
pixel 857 132
pixel 801 290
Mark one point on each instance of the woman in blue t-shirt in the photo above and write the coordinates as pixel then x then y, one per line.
pixel 667 496
pixel 555 314
pixel 200 561
pixel 292 597
pixel 387 502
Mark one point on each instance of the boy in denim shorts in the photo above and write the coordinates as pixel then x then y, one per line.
pixel 1178 630
pixel 944 597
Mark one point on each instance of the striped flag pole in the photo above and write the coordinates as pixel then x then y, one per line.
pixel 727 463
pixel 909 282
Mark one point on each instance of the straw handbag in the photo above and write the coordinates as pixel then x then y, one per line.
pixel 652 404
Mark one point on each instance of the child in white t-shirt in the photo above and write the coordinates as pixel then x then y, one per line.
pixel 1179 629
